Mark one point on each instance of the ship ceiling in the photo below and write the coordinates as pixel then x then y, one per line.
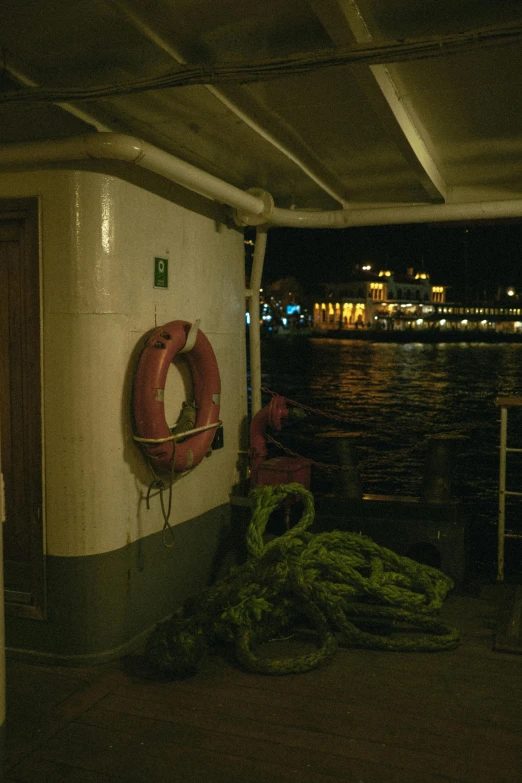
pixel 445 126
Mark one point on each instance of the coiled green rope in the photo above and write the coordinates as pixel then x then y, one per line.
pixel 333 583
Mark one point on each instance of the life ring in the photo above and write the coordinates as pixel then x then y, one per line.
pixel 148 396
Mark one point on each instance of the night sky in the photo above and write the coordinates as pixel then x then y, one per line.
pixel 491 260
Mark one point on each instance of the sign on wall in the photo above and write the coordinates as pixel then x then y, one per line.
pixel 161 273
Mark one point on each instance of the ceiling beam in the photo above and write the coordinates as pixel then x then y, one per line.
pixel 244 104
pixel 346 26
pixel 89 119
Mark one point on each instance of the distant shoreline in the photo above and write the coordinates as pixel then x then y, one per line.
pixel 400 336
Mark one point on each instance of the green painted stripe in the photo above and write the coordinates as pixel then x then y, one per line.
pixel 102 606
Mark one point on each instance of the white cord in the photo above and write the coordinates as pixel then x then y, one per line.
pixel 178 435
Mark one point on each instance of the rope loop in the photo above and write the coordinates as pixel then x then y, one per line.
pixel 167 533
pixel 265 500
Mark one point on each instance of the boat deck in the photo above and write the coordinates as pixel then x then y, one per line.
pixel 367 717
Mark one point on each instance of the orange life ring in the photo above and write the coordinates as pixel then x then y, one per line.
pixel 148 395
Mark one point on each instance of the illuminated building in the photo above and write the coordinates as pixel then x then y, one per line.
pixel 389 301
pixel 369 299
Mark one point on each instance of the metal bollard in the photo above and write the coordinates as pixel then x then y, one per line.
pixel 348 480
pixel 438 467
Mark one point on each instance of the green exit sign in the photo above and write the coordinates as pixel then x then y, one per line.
pixel 161 273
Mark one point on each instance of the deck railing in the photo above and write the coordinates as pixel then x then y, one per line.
pixel 505 403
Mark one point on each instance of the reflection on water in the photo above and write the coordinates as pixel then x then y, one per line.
pixel 396 395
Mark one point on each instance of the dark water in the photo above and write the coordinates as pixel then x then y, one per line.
pixel 396 396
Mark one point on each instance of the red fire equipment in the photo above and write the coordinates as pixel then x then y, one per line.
pixel 278 470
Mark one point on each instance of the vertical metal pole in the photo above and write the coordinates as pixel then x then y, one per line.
pixel 502 493
pixel 253 309
pixel 2 629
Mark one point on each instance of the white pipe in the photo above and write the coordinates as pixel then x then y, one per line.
pixel 253 311
pixel 92 146
pixel 253 207
pixel 118 146
pixel 197 180
pixel 382 216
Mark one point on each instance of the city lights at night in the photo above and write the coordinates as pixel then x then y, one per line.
pixel 472 261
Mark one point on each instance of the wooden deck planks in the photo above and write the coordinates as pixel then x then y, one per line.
pixel 452 693
pixel 216 756
pixel 59 696
pixel 326 751
pixel 368 717
pixel 337 718
pixel 38 770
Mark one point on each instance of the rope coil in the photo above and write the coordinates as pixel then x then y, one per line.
pixel 342 586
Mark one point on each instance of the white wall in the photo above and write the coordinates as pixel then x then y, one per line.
pixel 100 235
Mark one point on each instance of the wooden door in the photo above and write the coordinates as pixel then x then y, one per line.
pixel 20 406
